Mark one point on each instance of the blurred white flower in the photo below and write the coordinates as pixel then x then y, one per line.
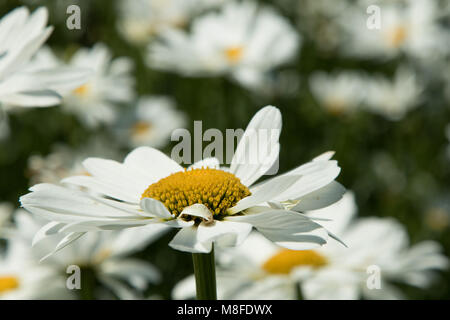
pixel 21 36
pixel 6 209
pixel 103 252
pixel 410 27
pixel 22 278
pixel 109 84
pixel 208 203
pixel 140 20
pixel 338 93
pixel 242 40
pixel 394 98
pixel 258 269
pixel 65 161
pixel 152 123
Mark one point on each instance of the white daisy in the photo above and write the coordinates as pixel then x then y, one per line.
pixel 21 278
pixel 394 98
pixel 207 203
pixel 109 84
pixel 140 20
pixel 152 124
pixel 258 269
pixel 242 40
pixel 338 93
pixel 409 27
pixel 105 253
pixel 22 83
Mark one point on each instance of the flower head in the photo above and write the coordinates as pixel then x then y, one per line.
pixel 241 40
pixel 22 82
pixel 208 203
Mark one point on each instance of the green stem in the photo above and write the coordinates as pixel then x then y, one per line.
pixel 205 275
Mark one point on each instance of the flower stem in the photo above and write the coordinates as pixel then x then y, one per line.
pixel 205 275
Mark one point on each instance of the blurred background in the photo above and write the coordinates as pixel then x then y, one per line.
pixel 384 110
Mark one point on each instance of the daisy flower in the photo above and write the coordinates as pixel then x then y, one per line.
pixel 154 120
pixel 21 278
pixel 207 203
pixel 394 98
pixel 105 253
pixel 259 269
pixel 109 84
pixel 242 40
pixel 338 93
pixel 21 83
pixel 140 20
pixel 411 27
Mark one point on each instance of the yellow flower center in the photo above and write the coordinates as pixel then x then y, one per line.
pixel 140 128
pixel 82 91
pixel 8 283
pixel 335 105
pixel 397 36
pixel 234 54
pixel 216 189
pixel 285 260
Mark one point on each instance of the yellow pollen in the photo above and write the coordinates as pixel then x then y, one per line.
pixel 140 128
pixel 234 54
pixel 82 90
pixel 335 106
pixel 102 255
pixel 216 189
pixel 285 260
pixel 397 36
pixel 8 283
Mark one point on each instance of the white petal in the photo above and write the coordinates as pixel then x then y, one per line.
pixel 339 214
pixel 117 174
pixel 269 190
pixel 206 163
pixel 324 156
pixel 187 240
pixel 178 223
pixel 155 208
pixel 61 201
pixel 320 198
pixel 47 230
pixel 258 148
pixel 288 229
pixel 105 188
pixel 68 239
pixel 185 289
pixel 151 163
pixel 315 175
pixel 43 98
pixel 224 233
pixel 133 239
pixel 197 210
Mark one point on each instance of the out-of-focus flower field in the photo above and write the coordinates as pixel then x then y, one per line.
pixel 379 98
